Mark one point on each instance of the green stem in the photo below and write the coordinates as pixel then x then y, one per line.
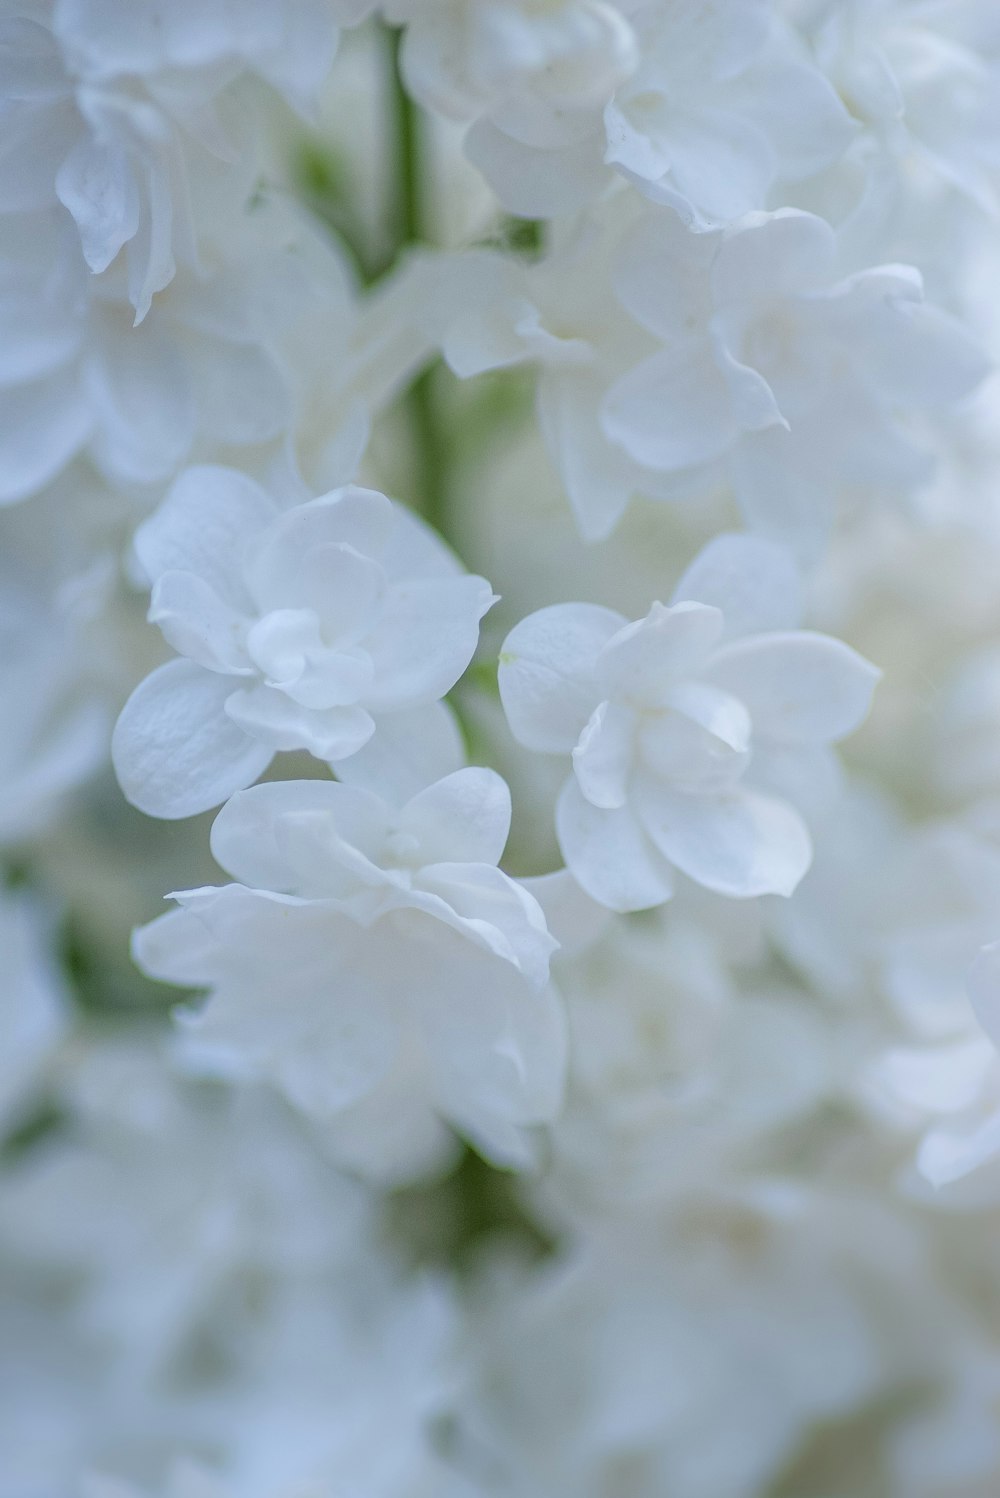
pixel 430 476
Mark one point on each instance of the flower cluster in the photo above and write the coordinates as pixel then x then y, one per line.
pixel 529 471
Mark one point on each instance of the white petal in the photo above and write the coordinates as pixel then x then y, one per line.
pixel 358 518
pixel 495 911
pixel 573 918
pixel 673 410
pixel 42 426
pixel 909 352
pixel 342 588
pixel 415 550
pixel 241 394
pixel 754 582
pixel 536 183
pixel 783 89
pixel 464 817
pixel 144 407
pixel 800 687
pixel 769 255
pixel 408 751
pixel 608 854
pixel 665 303
pixel 198 624
pixel 425 637
pixel 740 843
pixel 701 743
pixel 281 835
pixel 208 515
pixel 273 718
pixel 175 948
pixel 602 760
pixel 984 990
pixel 333 1035
pixel 175 750
pixel 546 673
pixel 599 477
pixel 642 662
pixel 720 163
pixel 95 182
pixel 495 1044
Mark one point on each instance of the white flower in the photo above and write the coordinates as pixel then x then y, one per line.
pixel 663 716
pixel 531 65
pixel 297 630
pixel 266 356
pixel 363 940
pixel 922 77
pixel 701 124
pixel 108 109
pixel 696 120
pixel 563 316
pixel 164 1194
pixel 803 383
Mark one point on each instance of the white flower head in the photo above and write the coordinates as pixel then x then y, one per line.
pixel 363 941
pixel 115 112
pixel 297 630
pixel 803 384
pixel 662 718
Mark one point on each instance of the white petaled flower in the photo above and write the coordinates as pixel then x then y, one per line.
pixel 702 122
pixel 803 383
pixel 532 80
pixel 923 78
pixel 694 119
pixel 663 718
pixel 108 109
pixel 298 629
pixel 77 376
pixel 365 942
pixel 466 58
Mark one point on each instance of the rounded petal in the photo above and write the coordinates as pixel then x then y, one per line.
pixel 783 254
pixel 643 661
pixel 701 743
pixel 95 183
pixel 602 760
pixel 673 410
pixel 358 518
pixel 42 426
pixel 721 164
pixel 799 687
pixel 739 843
pixel 609 855
pixel 754 582
pixel 424 638
pixel 198 624
pixel 208 515
pixel 175 750
pixel 408 751
pixel 415 550
pixel 145 412
pixel 282 835
pixel 546 673
pixel 341 586
pixel 495 911
pixel 273 718
pixel 463 818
